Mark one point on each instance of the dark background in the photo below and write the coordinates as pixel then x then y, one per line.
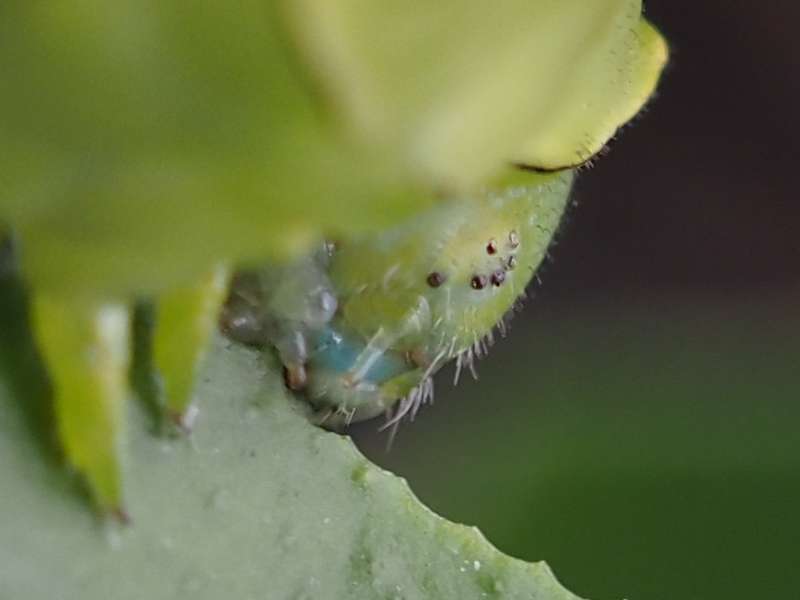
pixel 639 428
pixel 698 195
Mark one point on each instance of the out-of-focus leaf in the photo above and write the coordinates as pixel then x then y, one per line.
pixel 462 87
pixel 259 504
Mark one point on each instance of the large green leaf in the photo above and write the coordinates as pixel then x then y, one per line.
pixel 257 504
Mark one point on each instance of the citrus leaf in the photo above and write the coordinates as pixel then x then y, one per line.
pixel 259 503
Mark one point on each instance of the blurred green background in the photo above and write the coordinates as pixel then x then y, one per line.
pixel 639 427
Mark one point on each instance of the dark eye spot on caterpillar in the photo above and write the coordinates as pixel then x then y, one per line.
pixel 435 279
pixel 491 247
pixel 478 282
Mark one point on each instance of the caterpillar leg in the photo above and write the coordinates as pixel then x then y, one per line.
pixel 242 317
pixel 339 403
pixel 286 307
pixel 246 318
pixel 295 376
pixel 185 321
pixel 86 349
pixel 267 303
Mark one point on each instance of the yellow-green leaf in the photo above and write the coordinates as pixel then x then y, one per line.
pixel 261 504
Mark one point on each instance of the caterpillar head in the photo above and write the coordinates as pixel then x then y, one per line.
pixel 440 283
pixel 408 299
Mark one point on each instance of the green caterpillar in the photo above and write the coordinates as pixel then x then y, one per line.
pixel 306 119
pixel 362 326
